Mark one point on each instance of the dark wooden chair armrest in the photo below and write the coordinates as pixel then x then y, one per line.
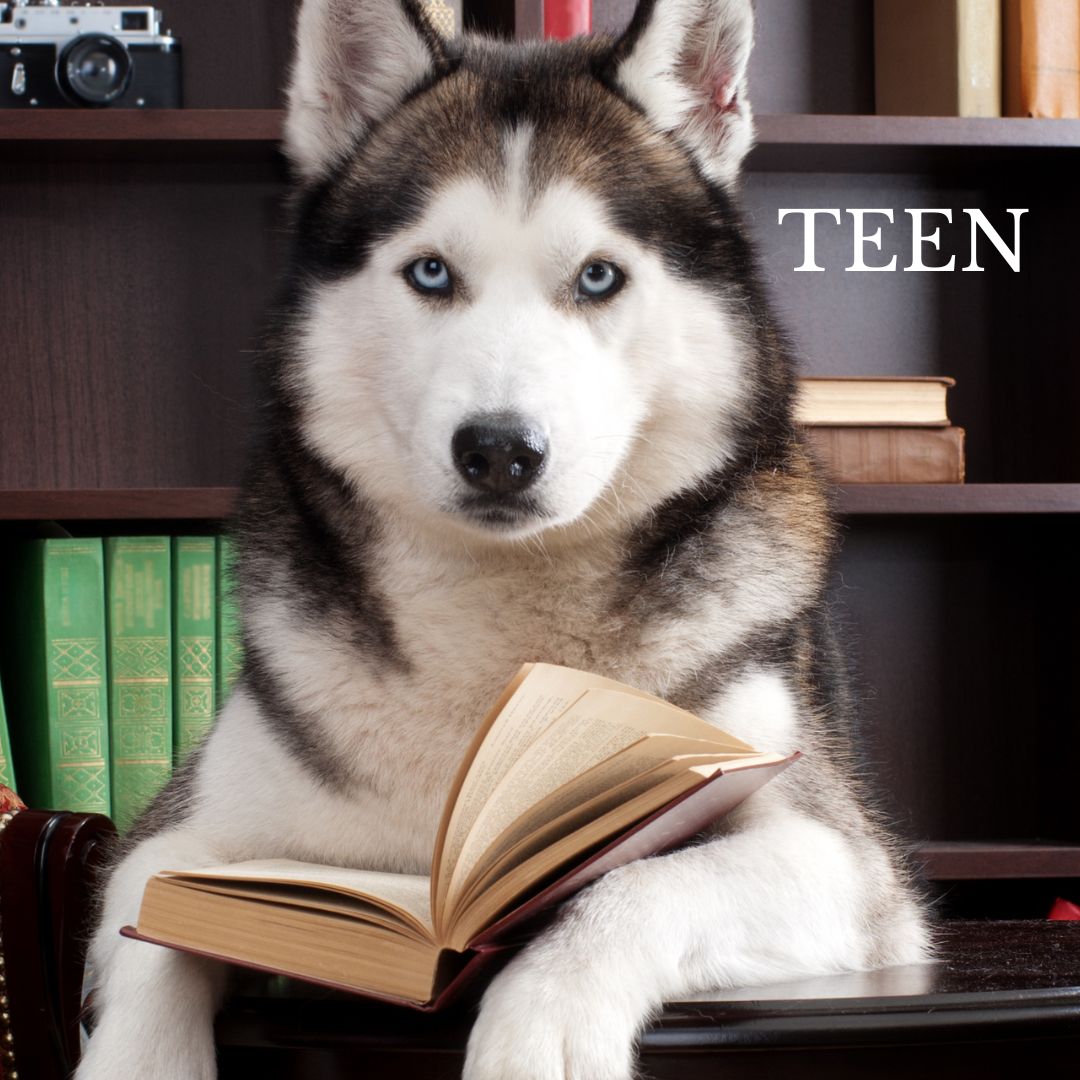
pixel 48 863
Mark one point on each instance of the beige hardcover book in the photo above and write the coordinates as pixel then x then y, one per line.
pixel 570 775
pixel 1042 58
pixel 937 57
pixel 890 455
pixel 840 401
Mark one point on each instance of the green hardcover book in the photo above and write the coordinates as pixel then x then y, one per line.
pixel 7 770
pixel 57 686
pixel 138 583
pixel 230 646
pixel 194 631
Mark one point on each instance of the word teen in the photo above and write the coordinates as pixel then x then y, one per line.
pixel 924 235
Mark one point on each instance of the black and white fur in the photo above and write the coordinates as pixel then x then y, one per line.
pixel 675 538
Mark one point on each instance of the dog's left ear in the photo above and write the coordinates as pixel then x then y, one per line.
pixel 684 62
pixel 355 61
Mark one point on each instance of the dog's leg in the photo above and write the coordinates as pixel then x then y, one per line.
pixel 784 897
pixel 154 1006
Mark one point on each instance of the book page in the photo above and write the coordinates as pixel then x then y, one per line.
pixel 342 952
pixel 409 894
pixel 517 844
pixel 545 692
pixel 602 739
pixel 518 881
pixel 301 896
pixel 576 804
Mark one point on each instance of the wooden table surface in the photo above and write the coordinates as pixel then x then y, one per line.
pixel 1004 997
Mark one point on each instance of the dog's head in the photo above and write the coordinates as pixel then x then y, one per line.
pixel 521 297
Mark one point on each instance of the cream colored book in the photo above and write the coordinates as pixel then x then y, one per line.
pixel 937 57
pixel 570 775
pixel 874 400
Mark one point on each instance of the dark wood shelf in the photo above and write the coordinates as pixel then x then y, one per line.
pixel 190 134
pixel 984 860
pixel 175 125
pixel 209 503
pixel 858 499
pixel 213 503
pixel 811 143
pixel 786 142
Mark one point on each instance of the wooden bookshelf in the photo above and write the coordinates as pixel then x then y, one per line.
pixel 143 249
pixel 119 504
pixel 785 142
pixel 988 860
pixel 216 503
pixel 899 499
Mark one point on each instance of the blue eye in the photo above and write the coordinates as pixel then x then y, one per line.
pixel 599 280
pixel 428 275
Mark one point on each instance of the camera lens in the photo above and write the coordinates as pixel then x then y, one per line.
pixel 94 69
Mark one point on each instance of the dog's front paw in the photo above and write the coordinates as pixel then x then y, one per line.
pixel 544 1020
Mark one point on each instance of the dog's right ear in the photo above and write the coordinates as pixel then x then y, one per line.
pixel 355 61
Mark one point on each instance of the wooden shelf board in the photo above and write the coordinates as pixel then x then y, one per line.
pixel 219 135
pixel 900 499
pixel 795 142
pixel 209 503
pixel 983 860
pixel 113 125
pixel 855 500
pixel 809 143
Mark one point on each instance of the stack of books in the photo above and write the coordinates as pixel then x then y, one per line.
pixel 883 430
pixel 122 649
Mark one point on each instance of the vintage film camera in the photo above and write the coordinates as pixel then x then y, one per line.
pixel 56 55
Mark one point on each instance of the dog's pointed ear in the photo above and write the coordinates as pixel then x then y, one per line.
pixel 355 60
pixel 684 62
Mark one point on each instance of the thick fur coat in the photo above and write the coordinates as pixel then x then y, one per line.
pixel 537 245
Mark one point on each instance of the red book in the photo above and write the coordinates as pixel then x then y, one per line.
pixel 567 18
pixel 1064 911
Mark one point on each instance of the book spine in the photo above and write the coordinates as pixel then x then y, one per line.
pixel 445 16
pixel 882 455
pixel 1042 58
pixel 230 650
pixel 979 61
pixel 137 574
pixel 194 633
pixel 58 699
pixel 567 18
pixel 937 57
pixel 7 768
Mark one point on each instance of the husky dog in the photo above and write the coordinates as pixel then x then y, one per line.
pixel 524 401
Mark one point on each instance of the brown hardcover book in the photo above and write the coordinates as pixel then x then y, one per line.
pixel 887 455
pixel 1042 58
pixel 937 57
pixel 873 401
pixel 570 775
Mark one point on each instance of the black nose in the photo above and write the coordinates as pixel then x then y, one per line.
pixel 500 454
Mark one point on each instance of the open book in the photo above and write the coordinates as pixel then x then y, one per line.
pixel 569 776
